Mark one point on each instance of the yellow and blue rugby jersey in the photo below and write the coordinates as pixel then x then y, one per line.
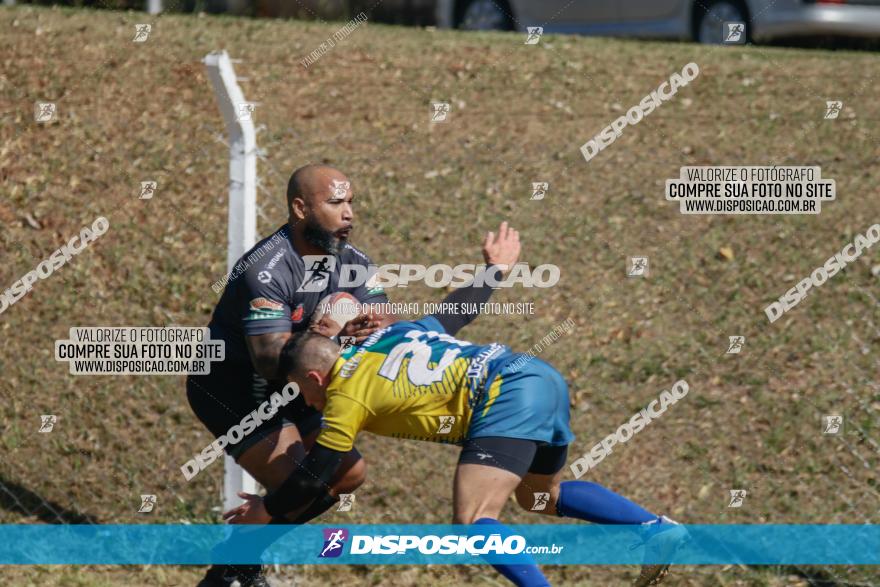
pixel 410 380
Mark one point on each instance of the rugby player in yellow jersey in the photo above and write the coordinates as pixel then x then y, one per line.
pixel 415 380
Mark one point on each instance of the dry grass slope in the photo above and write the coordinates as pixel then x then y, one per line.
pixel 132 112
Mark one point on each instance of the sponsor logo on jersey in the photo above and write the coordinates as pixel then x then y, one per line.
pixel 373 285
pixel 274 260
pixel 358 253
pixel 477 368
pixel 258 304
pixel 351 364
pixel 265 309
pixel 297 314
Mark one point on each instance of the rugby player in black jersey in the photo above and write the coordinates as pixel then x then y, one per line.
pixel 261 307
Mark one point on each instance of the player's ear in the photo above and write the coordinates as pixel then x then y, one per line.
pixel 318 377
pixel 298 208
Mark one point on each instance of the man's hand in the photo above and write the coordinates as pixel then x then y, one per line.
pixel 502 250
pixel 252 511
pixel 325 326
pixel 360 327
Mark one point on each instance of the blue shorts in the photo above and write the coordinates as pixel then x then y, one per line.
pixel 526 400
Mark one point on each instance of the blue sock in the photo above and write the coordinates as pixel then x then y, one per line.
pixel 522 575
pixel 592 502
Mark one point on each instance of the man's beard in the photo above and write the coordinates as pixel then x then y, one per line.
pixel 317 235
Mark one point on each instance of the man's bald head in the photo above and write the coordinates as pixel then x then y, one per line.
pixel 320 210
pixel 313 181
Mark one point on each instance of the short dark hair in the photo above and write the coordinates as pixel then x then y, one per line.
pixel 288 362
pixel 294 360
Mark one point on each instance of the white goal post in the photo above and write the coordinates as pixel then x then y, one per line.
pixel 242 224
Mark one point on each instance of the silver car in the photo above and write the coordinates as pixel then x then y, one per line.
pixel 700 20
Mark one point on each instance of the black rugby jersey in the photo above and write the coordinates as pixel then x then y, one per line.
pixel 272 288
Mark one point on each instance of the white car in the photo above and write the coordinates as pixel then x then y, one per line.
pixel 701 20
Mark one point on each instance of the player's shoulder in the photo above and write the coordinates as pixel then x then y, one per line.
pixel 271 259
pixel 425 324
pixel 353 255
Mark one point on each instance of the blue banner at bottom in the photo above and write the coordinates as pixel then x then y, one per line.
pixel 558 544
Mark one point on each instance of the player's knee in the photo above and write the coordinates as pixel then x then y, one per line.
pixel 353 477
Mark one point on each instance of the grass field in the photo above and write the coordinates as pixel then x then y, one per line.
pixel 130 112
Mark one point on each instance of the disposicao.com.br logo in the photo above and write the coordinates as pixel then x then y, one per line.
pixel 320 268
pixel 450 544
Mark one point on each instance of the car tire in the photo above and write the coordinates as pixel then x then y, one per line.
pixel 709 20
pixel 484 15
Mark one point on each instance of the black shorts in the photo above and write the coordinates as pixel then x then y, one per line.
pixel 232 391
pixel 514 454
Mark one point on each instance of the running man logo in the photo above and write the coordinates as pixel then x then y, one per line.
pixel 439 111
pixel 44 111
pixel 832 109
pixel 334 540
pixel 346 502
pixel 318 270
pixel 148 188
pixel 539 189
pixel 637 267
pixel 534 34
pixel 340 189
pixel 446 424
pixel 734 33
pixel 735 344
pixel 737 497
pixel 148 502
pixel 541 500
pixel 245 109
pixel 142 32
pixel 831 424
pixel 345 343
pixel 47 422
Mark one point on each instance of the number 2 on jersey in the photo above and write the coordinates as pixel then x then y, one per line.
pixel 418 371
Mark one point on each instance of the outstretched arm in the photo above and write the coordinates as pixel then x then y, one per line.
pixel 501 253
